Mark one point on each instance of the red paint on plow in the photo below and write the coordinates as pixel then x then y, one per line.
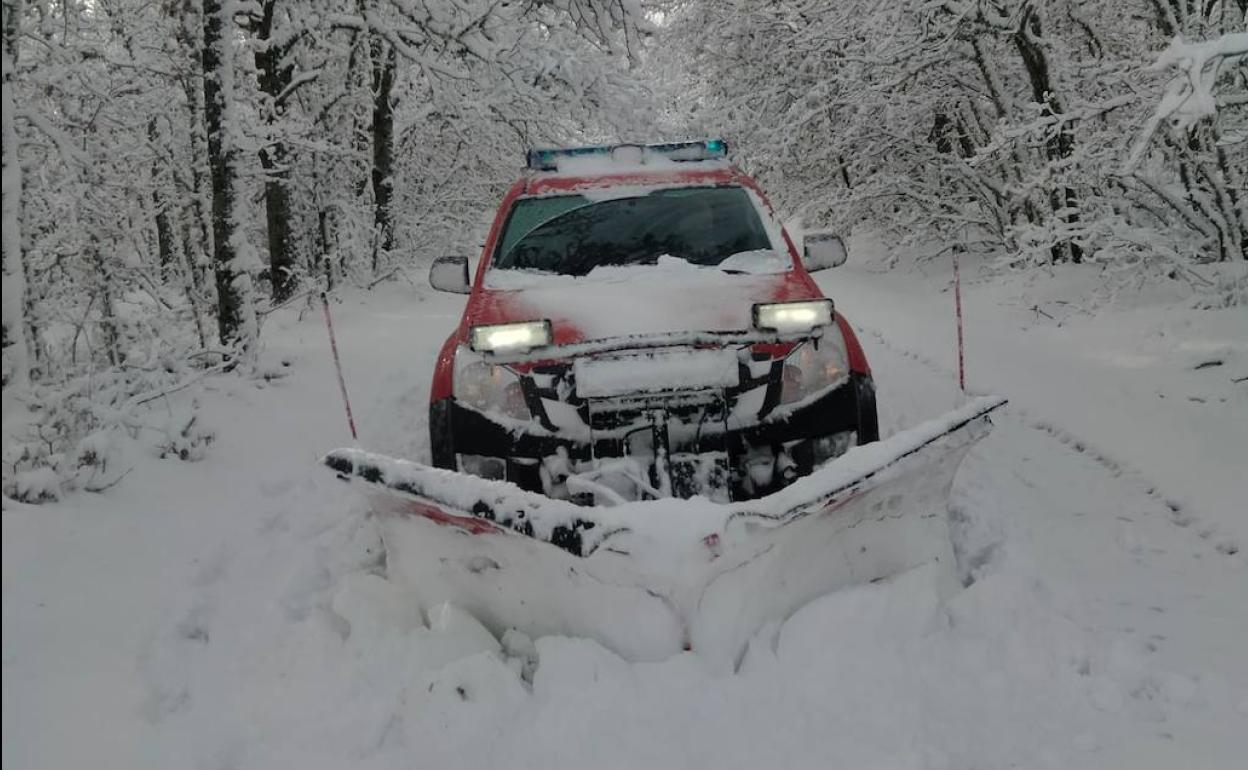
pixel 834 505
pixel 711 542
pixel 473 525
pixel 470 524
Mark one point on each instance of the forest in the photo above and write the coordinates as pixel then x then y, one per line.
pixel 176 170
pixel 841 384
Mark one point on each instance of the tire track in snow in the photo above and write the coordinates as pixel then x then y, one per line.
pixel 1178 514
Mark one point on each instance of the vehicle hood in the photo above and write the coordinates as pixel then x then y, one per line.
pixel 623 301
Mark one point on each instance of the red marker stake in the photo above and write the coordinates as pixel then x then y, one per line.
pixel 957 300
pixel 342 383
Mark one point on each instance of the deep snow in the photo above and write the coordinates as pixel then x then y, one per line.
pixel 231 613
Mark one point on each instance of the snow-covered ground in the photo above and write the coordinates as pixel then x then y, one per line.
pixel 231 614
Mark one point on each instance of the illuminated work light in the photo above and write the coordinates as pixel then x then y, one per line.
pixel 510 338
pixel 793 317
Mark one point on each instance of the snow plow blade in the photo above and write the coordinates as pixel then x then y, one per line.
pixel 650 579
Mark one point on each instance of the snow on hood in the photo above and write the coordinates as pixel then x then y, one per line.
pixel 671 296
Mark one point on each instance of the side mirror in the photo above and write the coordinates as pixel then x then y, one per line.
pixel 450 274
pixel 823 250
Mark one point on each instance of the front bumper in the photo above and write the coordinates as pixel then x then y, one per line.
pixel 729 458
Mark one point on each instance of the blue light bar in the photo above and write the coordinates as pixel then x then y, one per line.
pixel 706 149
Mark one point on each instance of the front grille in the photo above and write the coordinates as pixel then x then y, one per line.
pixel 691 413
pixel 686 406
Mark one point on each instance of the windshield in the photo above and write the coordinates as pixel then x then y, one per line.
pixel 573 234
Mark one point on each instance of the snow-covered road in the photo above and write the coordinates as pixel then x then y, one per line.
pixel 229 614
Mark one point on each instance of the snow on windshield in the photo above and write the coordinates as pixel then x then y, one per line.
pixel 576 234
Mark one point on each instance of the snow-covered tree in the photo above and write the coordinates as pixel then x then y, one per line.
pixel 16 346
pixel 174 170
pixel 1005 124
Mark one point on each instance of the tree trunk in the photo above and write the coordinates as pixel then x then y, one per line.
pixel 277 216
pixel 324 227
pixel 275 76
pixel 15 342
pixel 199 247
pixel 233 322
pixel 1060 144
pixel 108 312
pixel 383 58
pixel 166 241
pixel 192 282
pixel 1013 170
pixel 1233 185
pixel 196 247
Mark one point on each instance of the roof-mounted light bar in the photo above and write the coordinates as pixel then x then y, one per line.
pixel 706 149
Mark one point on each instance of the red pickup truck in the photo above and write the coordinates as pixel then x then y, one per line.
pixel 640 326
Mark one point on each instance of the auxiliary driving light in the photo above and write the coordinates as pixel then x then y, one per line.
pixel 510 338
pixel 793 317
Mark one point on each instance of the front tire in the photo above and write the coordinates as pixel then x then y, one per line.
pixel 441 440
pixel 868 418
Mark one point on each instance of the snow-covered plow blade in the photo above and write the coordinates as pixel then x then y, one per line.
pixel 649 579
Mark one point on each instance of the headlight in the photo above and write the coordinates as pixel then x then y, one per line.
pixel 489 387
pixel 510 338
pixel 811 367
pixel 793 317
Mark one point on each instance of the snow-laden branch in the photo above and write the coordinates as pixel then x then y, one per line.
pixel 64 143
pixel 1191 96
pixel 369 21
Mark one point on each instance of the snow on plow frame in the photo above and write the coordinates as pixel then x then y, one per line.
pixel 650 579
